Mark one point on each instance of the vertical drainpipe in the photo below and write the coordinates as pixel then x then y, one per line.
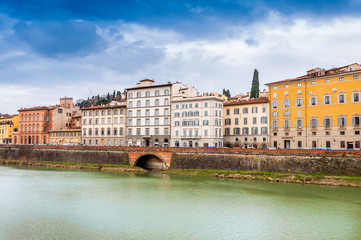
pixel 269 115
pixel 306 103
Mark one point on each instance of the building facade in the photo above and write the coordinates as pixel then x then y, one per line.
pixel 34 125
pixel 8 126
pixel 196 120
pixel 321 109
pixel 104 125
pixel 246 123
pixel 149 113
pixel 65 137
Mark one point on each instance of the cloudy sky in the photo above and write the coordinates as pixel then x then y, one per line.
pixel 50 49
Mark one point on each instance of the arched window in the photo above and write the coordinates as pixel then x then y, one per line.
pixel 156 93
pixel 130 95
pixel 166 92
pixel 139 94
pixel 147 94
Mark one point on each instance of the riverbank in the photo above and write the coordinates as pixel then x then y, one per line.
pixel 319 179
pixel 300 178
pixel 74 165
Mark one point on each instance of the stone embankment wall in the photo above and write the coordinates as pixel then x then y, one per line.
pixel 293 161
pixel 34 153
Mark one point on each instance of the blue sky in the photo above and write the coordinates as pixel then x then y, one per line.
pixel 50 49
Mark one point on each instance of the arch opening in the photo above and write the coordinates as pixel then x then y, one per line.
pixel 150 162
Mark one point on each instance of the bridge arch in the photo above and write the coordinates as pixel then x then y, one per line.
pixel 151 161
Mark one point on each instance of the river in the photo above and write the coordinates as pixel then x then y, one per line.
pixel 39 203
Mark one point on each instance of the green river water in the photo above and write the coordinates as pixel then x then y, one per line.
pixel 39 203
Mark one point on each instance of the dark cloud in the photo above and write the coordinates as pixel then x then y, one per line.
pixel 59 39
pixel 196 19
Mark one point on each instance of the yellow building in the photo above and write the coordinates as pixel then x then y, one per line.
pixel 319 110
pixel 65 137
pixel 8 125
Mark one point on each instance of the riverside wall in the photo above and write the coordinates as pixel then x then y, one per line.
pixel 346 163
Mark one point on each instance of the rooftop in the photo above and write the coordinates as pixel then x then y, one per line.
pixel 247 101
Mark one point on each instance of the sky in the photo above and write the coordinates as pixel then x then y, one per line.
pixel 82 48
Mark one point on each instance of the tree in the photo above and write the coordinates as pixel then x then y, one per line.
pixel 113 95
pixel 108 97
pixel 227 92
pixel 255 85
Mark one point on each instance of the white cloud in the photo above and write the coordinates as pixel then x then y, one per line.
pixel 284 49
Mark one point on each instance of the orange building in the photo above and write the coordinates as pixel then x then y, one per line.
pixel 34 125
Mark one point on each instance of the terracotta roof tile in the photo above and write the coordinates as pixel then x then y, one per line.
pixel 248 101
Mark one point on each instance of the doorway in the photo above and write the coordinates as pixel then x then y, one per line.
pixel 349 145
pixel 287 144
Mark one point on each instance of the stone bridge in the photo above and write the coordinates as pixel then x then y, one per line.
pixel 279 160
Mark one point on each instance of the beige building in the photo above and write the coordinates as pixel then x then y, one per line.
pixel 246 123
pixel 149 113
pixel 104 125
pixel 65 137
pixel 63 114
pixel 196 120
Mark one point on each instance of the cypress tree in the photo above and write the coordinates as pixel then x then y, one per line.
pixel 255 85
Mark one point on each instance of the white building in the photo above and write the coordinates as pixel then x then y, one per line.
pixel 196 120
pixel 149 113
pixel 104 125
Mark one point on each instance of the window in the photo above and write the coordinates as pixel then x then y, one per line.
pixel 205 113
pixel 313 122
pixel 274 95
pixel 226 131
pixel 206 104
pixel 264 130
pixel 286 123
pixel 286 93
pixel 147 94
pixel 275 124
pixel 357 144
pixel 299 102
pixel 341 79
pixel 286 103
pixel 286 86
pixel 130 104
pixel 156 102
pixel 205 122
pixel 254 109
pixel 227 121
pixel 245 131
pixel 147 103
pixel 334 89
pixel 356 121
pixel 298 84
pixel 130 95
pixel 327 100
pixel 327 80
pixel 236 131
pixel 60 110
pixel 205 132
pixel 245 122
pixel 236 111
pixel 138 104
pixel 156 93
pixel 342 132
pixel 314 144
pixel 313 101
pixel 299 92
pixel 227 112
pixel 342 121
pixel 313 83
pixel 138 122
pixel 166 101
pixel 274 114
pixel 299 144
pixel 328 144
pixel 299 123
pixel 156 112
pixel 341 98
pixel 342 144
pixel 166 92
pixel 263 120
pixel 254 131
pixel 286 113
pixel 355 77
pixel 254 120
pixel 245 110
pixel 156 121
pixel 356 97
pixel 274 104
pixel 327 122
